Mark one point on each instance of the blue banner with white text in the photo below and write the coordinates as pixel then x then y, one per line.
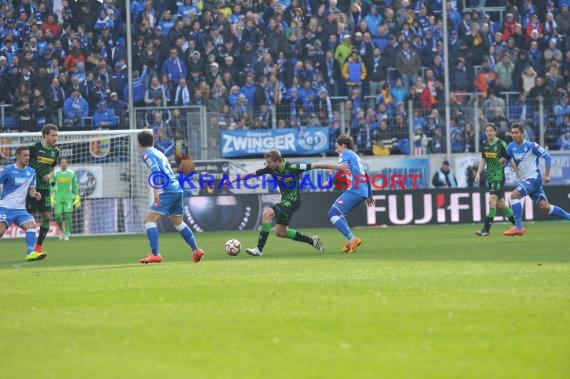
pixel 290 141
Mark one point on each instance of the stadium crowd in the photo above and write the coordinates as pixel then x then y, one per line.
pixel 304 59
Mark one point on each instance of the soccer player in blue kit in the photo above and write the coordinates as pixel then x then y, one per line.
pixel 360 190
pixel 526 155
pixel 167 194
pixel 18 181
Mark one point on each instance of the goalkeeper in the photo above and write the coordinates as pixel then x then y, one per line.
pixel 64 195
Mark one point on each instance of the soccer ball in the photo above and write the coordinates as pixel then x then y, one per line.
pixel 233 247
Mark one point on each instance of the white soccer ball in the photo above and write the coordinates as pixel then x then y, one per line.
pixel 233 247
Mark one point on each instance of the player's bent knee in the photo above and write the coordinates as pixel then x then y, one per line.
pixel 149 225
pixel 180 227
pixel 544 206
pixel 334 215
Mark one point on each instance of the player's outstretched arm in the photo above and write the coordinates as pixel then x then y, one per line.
pixel 244 177
pixel 514 167
pixel 341 166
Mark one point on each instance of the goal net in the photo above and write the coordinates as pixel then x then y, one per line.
pixel 111 176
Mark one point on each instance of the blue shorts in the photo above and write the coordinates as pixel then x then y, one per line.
pixel 348 201
pixel 532 188
pixel 15 216
pixel 170 204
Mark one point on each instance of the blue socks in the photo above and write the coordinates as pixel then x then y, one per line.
pixel 152 235
pixel 517 212
pixel 558 212
pixel 187 234
pixel 30 240
pixel 338 220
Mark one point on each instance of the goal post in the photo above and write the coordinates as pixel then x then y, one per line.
pixel 111 175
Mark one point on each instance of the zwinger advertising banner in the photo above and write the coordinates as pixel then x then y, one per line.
pixel 290 141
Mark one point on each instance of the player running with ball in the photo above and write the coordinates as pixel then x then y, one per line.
pixel 287 176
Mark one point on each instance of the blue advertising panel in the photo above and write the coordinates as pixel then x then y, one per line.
pixel 290 141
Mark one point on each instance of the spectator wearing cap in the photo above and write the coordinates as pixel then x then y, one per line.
pixel 75 109
pixel 118 106
pixel 174 67
pixel 104 117
pixel 213 73
pixel 343 50
pixel 330 24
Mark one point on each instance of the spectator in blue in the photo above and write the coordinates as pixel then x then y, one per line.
pixel 75 109
pixel 399 93
pixel 164 144
pixel 104 117
pixel 166 22
pixel 308 96
pixel 459 81
pixel 248 89
pixel 174 67
pixel 118 106
pixel 138 88
pixel 373 19
pixel 561 109
pixel 137 8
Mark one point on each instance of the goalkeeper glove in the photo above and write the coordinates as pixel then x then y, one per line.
pixel 77 201
pixel 52 200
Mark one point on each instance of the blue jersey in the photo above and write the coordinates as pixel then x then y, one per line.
pixel 526 158
pixel 15 184
pixel 358 184
pixel 161 171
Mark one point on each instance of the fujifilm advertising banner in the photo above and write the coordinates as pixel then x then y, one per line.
pixel 290 141
pixel 393 208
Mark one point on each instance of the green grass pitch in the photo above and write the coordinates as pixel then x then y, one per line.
pixel 414 302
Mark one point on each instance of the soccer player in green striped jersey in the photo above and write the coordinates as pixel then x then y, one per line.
pixel 43 159
pixel 286 174
pixel 64 195
pixel 494 156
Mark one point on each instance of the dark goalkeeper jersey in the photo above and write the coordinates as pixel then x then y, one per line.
pixel 493 154
pixel 287 180
pixel 43 159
